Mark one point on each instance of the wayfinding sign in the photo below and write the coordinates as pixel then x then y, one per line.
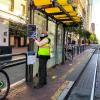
pixel 31 31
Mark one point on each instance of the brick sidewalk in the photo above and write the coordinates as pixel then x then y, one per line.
pixel 56 77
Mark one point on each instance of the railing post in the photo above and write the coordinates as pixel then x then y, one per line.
pixel 26 70
pixel 80 48
pixel 77 49
pixel 72 52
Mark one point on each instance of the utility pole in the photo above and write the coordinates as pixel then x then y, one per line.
pixel 30 15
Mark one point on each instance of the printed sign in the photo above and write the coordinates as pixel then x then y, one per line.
pixel 31 57
pixel 31 31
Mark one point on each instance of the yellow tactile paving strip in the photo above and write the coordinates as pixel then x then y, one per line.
pixel 60 90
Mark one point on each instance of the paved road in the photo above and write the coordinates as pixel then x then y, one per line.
pixel 97 85
pixel 16 73
pixel 83 88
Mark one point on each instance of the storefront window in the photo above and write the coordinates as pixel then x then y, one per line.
pixel 19 33
pixel 11 40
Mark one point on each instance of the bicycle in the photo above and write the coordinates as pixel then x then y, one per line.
pixel 68 54
pixel 4 83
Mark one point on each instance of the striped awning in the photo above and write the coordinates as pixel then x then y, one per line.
pixel 59 10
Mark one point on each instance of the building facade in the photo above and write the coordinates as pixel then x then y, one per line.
pixel 83 8
pixel 13 20
pixel 14 25
pixel 93 28
pixel 12 14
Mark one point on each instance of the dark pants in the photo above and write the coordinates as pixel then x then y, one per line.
pixel 42 70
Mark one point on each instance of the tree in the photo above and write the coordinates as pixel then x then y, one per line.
pixel 87 34
pixel 93 38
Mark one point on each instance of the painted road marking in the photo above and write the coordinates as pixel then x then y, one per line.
pixel 64 88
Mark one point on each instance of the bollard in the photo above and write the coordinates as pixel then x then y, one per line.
pixel 72 52
pixel 77 49
pixel 81 49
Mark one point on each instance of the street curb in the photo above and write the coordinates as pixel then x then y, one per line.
pixel 65 89
pixel 67 95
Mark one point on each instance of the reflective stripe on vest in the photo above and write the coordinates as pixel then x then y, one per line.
pixel 44 50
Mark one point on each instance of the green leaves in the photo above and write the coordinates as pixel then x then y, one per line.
pixel 17 29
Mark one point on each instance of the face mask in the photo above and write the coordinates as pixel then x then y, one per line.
pixel 43 35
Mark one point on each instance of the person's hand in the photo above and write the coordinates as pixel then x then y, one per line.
pixel 34 39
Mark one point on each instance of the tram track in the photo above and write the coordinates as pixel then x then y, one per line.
pixel 96 95
pixel 86 84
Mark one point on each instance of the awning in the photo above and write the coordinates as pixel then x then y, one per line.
pixel 59 10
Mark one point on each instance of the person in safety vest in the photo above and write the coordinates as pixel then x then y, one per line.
pixel 43 54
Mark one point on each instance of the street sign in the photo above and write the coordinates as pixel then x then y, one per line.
pixel 31 57
pixel 31 31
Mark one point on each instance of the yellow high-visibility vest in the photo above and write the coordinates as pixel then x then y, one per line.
pixel 44 50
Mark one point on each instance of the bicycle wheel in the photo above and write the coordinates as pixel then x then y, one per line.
pixel 4 84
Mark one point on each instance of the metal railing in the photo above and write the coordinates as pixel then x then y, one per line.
pixel 14 62
pixel 77 49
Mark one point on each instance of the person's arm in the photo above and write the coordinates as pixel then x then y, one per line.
pixel 42 42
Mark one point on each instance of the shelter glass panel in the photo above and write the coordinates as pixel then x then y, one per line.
pixel 51 30
pixel 59 44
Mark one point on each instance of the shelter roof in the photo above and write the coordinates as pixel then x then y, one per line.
pixel 59 10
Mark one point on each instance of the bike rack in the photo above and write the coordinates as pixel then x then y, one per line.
pixel 77 49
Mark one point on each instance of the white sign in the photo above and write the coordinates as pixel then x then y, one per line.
pixel 30 58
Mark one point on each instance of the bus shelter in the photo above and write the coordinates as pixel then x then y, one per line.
pixel 53 16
